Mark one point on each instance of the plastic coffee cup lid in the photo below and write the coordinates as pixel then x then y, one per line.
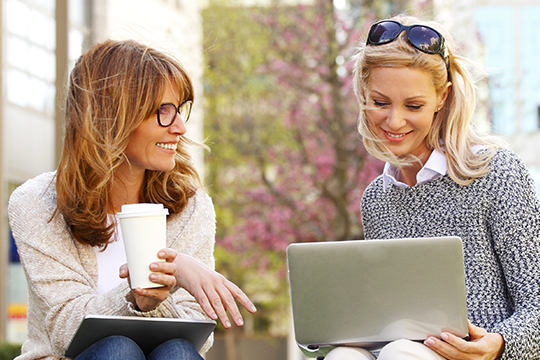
pixel 138 210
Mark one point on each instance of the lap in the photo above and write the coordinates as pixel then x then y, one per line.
pixel 112 347
pixel 408 350
pixel 349 353
pixel 400 349
pixel 121 347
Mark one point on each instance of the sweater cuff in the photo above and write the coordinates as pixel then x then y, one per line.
pixel 165 310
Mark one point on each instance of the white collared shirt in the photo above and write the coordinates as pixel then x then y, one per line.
pixel 434 168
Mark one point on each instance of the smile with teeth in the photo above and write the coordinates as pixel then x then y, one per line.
pixel 395 136
pixel 167 146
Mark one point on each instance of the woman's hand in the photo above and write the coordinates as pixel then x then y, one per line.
pixel 213 291
pixel 481 346
pixel 162 273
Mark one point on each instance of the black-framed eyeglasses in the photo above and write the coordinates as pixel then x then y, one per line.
pixel 166 114
pixel 422 37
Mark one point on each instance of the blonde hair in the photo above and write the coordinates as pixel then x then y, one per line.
pixel 451 131
pixel 113 88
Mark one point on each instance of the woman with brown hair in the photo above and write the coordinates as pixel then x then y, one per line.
pixel 126 110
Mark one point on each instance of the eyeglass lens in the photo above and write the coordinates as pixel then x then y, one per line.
pixel 422 37
pixel 167 113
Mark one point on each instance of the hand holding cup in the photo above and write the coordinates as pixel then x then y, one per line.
pixel 162 273
pixel 144 232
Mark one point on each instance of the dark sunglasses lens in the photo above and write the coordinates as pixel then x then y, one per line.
pixel 425 39
pixel 384 32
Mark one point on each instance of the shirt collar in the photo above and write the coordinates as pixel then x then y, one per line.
pixel 434 168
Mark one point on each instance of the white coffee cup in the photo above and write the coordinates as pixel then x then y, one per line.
pixel 144 231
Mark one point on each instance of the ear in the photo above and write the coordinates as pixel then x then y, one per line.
pixel 444 95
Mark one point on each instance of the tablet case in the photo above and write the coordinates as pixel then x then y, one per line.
pixel 148 333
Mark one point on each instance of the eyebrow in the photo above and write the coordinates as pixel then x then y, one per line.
pixel 415 97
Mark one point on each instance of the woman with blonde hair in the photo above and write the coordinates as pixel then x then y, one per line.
pixel 417 101
pixel 126 110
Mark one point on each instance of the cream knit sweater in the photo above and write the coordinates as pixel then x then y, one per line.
pixel 62 274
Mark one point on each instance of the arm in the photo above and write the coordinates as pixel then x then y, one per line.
pixel 200 291
pixel 61 273
pixel 514 225
pixel 516 234
pixel 196 275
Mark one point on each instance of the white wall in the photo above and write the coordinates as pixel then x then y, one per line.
pixel 28 143
pixel 172 26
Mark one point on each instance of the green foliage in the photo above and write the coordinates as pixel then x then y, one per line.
pixel 236 46
pixel 266 284
pixel 9 351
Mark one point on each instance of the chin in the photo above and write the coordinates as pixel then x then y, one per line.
pixel 164 167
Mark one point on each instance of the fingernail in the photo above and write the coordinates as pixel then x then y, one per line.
pixel 253 308
pixel 444 336
pixel 429 342
pixel 240 322
pixel 161 254
pixel 227 324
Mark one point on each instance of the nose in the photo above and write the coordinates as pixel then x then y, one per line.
pixel 395 119
pixel 178 127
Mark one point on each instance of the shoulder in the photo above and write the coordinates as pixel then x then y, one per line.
pixel 376 184
pixel 39 192
pixel 194 226
pixel 505 158
pixel 199 209
pixel 505 164
pixel 374 188
pixel 372 196
pixel 201 204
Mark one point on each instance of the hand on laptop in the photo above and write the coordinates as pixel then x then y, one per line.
pixel 213 291
pixel 482 345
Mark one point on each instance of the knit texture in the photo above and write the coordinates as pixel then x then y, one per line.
pixel 498 219
pixel 62 274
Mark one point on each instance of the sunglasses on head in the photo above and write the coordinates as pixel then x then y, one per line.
pixel 422 37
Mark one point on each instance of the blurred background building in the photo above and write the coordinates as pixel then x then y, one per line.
pixel 503 35
pixel 42 38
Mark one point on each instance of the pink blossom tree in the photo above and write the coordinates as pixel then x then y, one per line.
pixel 287 164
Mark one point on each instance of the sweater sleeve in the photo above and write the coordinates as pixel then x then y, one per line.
pixel 515 224
pixel 61 290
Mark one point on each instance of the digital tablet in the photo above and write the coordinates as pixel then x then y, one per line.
pixel 148 333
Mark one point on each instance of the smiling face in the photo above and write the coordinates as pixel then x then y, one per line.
pixel 401 104
pixel 153 147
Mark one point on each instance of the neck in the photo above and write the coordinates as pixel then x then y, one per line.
pixel 126 188
pixel 408 174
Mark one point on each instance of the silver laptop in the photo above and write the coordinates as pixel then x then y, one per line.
pixel 368 293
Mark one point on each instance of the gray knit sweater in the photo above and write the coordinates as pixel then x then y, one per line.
pixel 62 274
pixel 498 219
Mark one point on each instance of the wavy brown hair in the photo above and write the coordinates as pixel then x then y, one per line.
pixel 112 89
pixel 452 130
